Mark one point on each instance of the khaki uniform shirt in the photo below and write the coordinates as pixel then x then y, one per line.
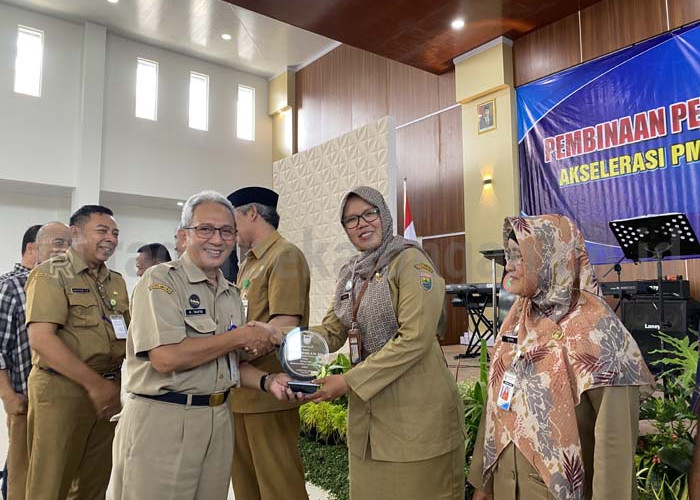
pixel 63 291
pixel 403 401
pixel 174 301
pixel 274 279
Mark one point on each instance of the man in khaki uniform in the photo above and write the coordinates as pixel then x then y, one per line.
pixel 274 283
pixel 15 355
pixel 175 435
pixel 77 313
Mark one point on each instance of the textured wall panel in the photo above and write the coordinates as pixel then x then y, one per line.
pixel 311 185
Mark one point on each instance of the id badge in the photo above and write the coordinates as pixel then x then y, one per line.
pixel 245 308
pixel 119 325
pixel 354 339
pixel 233 368
pixel 505 394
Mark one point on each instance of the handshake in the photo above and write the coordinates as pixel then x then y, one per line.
pixel 256 339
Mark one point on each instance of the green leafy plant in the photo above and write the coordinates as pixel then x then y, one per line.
pixel 326 466
pixel 326 422
pixel 663 459
pixel 474 396
pixel 323 441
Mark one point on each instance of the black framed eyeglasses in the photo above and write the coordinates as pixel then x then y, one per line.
pixel 352 221
pixel 205 231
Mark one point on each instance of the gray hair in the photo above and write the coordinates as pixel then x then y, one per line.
pixel 269 214
pixel 198 199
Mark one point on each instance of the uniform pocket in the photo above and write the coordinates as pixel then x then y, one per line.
pixel 200 326
pixel 84 312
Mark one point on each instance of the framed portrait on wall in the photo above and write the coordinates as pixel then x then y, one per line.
pixel 486 116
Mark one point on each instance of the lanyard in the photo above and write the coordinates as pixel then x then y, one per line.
pixel 99 291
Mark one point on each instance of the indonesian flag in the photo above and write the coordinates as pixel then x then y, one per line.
pixel 409 230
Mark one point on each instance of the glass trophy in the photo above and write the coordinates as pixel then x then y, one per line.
pixel 302 356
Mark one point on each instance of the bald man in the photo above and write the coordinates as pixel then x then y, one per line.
pixel 15 356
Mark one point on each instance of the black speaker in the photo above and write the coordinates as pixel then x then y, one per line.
pixel 641 317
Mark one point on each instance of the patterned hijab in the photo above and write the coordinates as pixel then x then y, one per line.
pixel 570 341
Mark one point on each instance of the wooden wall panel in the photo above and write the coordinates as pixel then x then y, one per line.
pixel 412 93
pixel 368 74
pixel 309 99
pixel 336 101
pixel 349 87
pixel 682 12
pixel 450 181
pixel 612 24
pixel 449 256
pixel 417 160
pixel 547 50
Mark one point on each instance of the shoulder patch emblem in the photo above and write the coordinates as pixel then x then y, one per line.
pixel 426 281
pixel 158 286
pixel 40 274
pixel 424 267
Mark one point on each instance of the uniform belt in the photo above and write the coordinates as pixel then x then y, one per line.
pixel 216 399
pixel 110 375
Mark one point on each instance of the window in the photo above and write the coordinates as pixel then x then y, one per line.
pixel 30 55
pixel 199 101
pixel 245 111
pixel 146 89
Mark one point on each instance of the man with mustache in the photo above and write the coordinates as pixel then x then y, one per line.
pixel 77 317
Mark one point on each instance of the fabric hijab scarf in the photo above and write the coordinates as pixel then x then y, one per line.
pixel 570 341
pixel 382 326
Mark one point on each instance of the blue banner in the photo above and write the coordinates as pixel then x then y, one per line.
pixel 615 138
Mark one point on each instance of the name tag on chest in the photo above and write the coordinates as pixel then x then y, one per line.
pixel 195 312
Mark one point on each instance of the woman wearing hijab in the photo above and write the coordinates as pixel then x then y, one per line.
pixel 405 416
pixel 562 413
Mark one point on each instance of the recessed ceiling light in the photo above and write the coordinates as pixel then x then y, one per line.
pixel 226 36
pixel 113 1
pixel 457 24
pixel 180 203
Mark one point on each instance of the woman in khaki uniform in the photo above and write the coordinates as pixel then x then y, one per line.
pixel 406 421
pixel 561 417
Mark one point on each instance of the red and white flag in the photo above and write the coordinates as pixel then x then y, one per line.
pixel 409 230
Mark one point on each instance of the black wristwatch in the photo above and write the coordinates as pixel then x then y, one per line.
pixel 263 381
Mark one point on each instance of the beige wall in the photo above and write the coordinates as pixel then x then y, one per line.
pixel 482 76
pixel 281 97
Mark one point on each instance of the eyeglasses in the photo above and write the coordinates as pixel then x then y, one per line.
pixel 353 221
pixel 514 257
pixel 205 231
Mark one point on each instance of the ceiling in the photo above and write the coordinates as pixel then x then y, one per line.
pixel 259 45
pixel 416 32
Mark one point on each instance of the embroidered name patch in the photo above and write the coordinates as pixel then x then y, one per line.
pixel 79 290
pixel 195 312
pixel 426 281
pixel 158 286
pixel 424 267
pixel 345 296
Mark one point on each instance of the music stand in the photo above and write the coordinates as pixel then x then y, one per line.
pixel 656 237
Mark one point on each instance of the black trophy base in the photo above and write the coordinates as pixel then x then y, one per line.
pixel 305 387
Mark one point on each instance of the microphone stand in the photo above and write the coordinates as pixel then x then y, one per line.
pixel 618 269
